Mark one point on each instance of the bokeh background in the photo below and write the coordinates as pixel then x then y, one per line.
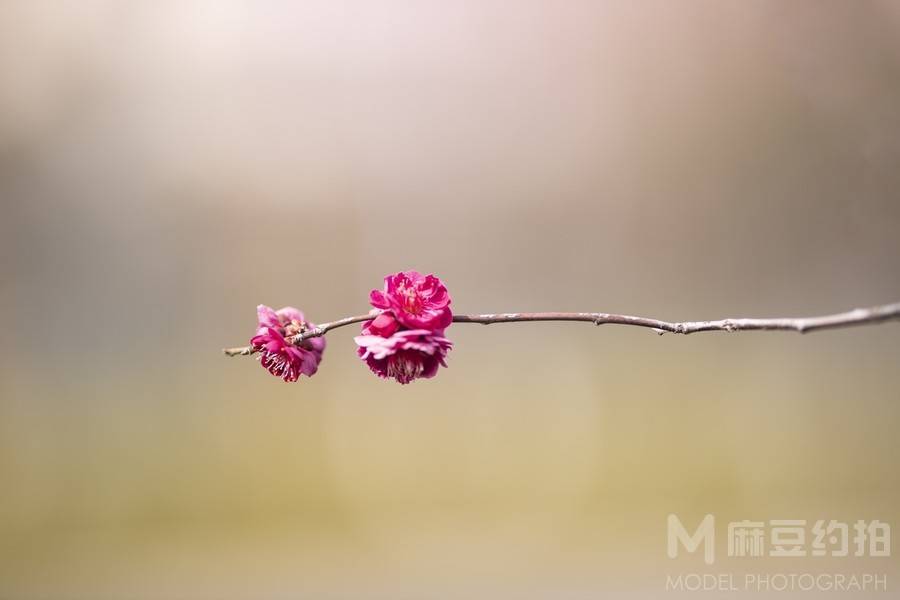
pixel 165 166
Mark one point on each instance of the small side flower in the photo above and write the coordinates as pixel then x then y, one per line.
pixel 276 354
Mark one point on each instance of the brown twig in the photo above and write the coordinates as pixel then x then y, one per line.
pixel 858 316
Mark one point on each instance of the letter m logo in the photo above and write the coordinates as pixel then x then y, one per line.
pixel 705 534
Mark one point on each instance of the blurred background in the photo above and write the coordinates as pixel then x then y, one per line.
pixel 166 166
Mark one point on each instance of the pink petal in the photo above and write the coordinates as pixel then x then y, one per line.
pixel 266 317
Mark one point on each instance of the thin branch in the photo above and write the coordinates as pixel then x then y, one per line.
pixel 858 316
pixel 317 331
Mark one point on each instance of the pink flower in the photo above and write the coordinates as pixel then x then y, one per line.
pixel 417 301
pixel 404 354
pixel 276 354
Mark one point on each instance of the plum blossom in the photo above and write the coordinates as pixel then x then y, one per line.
pixel 417 301
pixel 277 355
pixel 401 354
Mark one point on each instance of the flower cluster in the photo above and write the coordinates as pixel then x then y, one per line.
pixel 403 341
pixel 406 340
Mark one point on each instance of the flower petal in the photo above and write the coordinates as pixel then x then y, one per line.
pixel 266 317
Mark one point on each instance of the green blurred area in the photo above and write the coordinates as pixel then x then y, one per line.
pixel 164 167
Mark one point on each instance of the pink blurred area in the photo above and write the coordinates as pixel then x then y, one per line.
pixel 167 166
